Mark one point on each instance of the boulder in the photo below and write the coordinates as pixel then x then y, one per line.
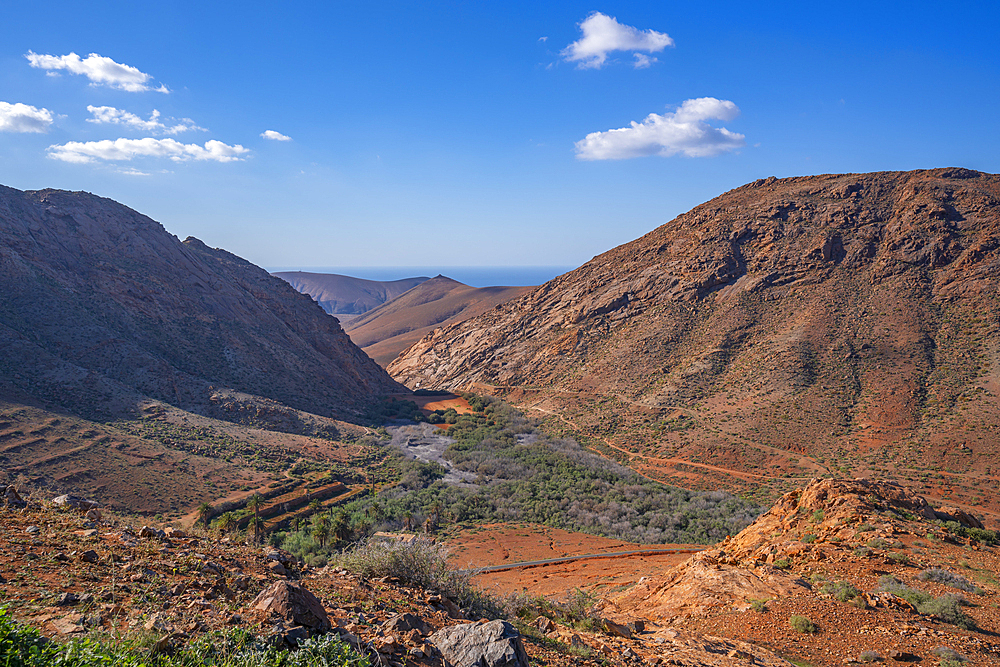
pixel 13 498
pixel 958 515
pixel 403 623
pixel 75 502
pixel 493 644
pixel 294 604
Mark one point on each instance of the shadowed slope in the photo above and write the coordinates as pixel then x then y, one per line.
pixel 100 307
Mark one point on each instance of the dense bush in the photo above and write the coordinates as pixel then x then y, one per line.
pixel 419 563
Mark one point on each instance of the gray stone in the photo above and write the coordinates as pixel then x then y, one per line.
pixel 493 644
pixel 294 604
pixel 406 622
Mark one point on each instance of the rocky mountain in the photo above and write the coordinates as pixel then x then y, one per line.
pixel 346 297
pixel 389 329
pixel 786 329
pixel 101 308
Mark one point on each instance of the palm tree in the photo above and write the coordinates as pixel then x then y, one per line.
pixel 407 520
pixel 205 512
pixel 226 523
pixel 320 529
pixel 254 504
pixel 340 526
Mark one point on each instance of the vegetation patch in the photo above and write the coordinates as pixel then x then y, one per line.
pixel 948 607
pixel 521 474
pixel 23 646
pixel 802 624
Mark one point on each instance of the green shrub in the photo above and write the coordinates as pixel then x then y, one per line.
pixel 818 516
pixel 844 592
pixel 869 656
pixel 419 563
pixel 758 604
pixel 949 657
pixel 802 624
pixel 902 559
pixel 809 538
pixel 783 564
pixel 22 646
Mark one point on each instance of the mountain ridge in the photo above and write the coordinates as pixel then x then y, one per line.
pixel 101 306
pixel 345 297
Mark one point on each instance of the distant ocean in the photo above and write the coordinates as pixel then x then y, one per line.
pixel 474 276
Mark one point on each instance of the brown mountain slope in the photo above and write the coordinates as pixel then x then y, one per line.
pixel 789 328
pixel 100 307
pixel 345 296
pixel 397 324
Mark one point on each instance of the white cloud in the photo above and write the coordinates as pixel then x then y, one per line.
pixel 113 116
pixel 276 136
pixel 642 61
pixel 24 118
pixel 684 131
pixel 127 149
pixel 603 34
pixel 101 70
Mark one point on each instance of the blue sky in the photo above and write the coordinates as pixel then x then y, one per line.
pixel 457 134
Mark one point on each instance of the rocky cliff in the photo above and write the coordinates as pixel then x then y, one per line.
pixel 789 327
pixel 100 307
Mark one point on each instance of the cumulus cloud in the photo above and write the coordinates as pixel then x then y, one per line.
pixel 127 149
pixel 24 118
pixel 113 116
pixel 276 136
pixel 603 34
pixel 101 70
pixel 683 131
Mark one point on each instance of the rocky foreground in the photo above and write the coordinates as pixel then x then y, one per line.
pixel 827 576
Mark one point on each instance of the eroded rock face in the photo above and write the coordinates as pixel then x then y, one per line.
pixel 100 306
pixel 294 604
pixel 493 644
pixel 703 584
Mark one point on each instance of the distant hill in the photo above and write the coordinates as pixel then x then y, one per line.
pixel 790 328
pixel 346 297
pixel 101 308
pixel 386 331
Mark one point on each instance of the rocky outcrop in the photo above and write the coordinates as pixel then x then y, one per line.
pixel 492 644
pixel 101 307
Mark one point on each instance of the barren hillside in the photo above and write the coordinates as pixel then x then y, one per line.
pixel 389 329
pixel 838 324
